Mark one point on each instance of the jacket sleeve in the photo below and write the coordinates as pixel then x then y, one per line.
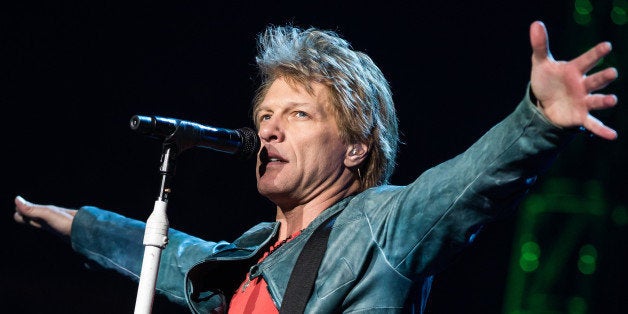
pixel 423 226
pixel 114 242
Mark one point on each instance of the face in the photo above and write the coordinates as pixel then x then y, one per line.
pixel 302 154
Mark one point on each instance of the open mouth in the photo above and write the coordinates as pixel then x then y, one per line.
pixel 268 156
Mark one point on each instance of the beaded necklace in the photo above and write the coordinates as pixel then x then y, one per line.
pixel 279 244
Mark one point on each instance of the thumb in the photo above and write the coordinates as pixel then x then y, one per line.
pixel 22 205
pixel 25 212
pixel 52 218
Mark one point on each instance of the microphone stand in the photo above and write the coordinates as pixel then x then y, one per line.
pixel 178 136
pixel 156 234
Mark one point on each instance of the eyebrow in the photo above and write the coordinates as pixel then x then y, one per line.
pixel 291 105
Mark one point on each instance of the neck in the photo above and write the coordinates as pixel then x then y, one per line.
pixel 299 216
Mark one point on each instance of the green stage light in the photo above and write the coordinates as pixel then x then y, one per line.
pixel 587 261
pixel 530 253
pixel 583 7
pixel 618 15
pixel 582 12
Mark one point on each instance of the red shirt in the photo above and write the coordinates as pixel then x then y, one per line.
pixel 252 296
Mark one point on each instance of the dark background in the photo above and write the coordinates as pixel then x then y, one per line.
pixel 74 72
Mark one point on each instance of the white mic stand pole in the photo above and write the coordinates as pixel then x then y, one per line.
pixel 155 236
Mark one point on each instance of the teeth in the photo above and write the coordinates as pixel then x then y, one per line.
pixel 274 159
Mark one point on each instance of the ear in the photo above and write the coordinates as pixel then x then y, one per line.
pixel 355 155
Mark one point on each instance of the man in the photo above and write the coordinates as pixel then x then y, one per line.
pixel 328 130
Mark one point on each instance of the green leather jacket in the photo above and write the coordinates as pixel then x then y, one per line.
pixel 385 246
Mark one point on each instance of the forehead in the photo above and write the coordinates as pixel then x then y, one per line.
pixel 282 92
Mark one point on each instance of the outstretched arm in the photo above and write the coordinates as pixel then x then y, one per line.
pixel 564 91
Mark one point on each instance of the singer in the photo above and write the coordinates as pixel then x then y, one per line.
pixel 326 121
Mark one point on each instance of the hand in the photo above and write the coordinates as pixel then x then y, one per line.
pixel 55 219
pixel 564 90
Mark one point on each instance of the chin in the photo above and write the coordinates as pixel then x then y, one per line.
pixel 271 190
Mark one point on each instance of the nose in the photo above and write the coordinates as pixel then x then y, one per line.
pixel 271 130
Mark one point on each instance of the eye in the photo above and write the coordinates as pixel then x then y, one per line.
pixel 301 114
pixel 263 117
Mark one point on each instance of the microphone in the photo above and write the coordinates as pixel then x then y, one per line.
pixel 242 143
